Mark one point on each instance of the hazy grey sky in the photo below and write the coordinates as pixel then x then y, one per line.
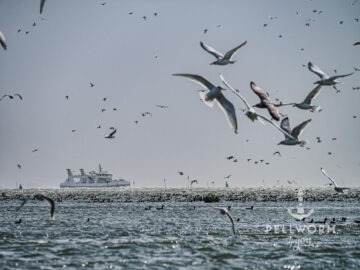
pixel 82 41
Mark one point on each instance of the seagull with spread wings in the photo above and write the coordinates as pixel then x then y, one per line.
pixel 224 211
pixel 221 59
pixel 214 93
pixel 324 78
pixel 336 187
pixel 40 197
pixel 295 133
pixel 307 103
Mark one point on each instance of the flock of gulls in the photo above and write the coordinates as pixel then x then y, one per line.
pixel 214 94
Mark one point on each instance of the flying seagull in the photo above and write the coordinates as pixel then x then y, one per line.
pixel 193 182
pixel 3 41
pixel 11 96
pixel 295 133
pixel 324 78
pixel 42 3
pixel 306 104
pixel 40 197
pixel 356 43
pixel 337 189
pixel 220 58
pixel 265 102
pixel 111 135
pixel 250 112
pixel 214 93
pixel 224 211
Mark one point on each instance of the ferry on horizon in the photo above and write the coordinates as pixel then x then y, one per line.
pixel 93 179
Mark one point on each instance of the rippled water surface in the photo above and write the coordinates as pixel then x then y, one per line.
pixel 184 235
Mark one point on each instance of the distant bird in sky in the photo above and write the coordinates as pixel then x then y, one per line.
pixel 215 93
pixel 67 97
pixel 42 3
pixel 111 135
pixel 40 197
pixel 265 102
pixel 73 130
pixel 250 112
pixel 230 157
pixel 92 84
pixel 220 58
pixel 356 43
pixel 324 78
pixel 205 31
pixel 224 211
pixel 277 152
pixel 295 133
pixel 227 177
pixel 19 30
pixel 162 106
pixel 34 24
pixel 146 113
pixel 99 126
pixel 193 182
pixel 3 41
pixel 318 140
pixel 336 187
pixel 180 173
pixel 11 96
pixel 103 110
pixel 103 4
pixel 35 150
pixel 144 17
pixel 307 103
pixel 19 166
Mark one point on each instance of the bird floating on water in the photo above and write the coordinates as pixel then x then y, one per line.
pixel 220 58
pixel 214 93
pixel 336 187
pixel 324 78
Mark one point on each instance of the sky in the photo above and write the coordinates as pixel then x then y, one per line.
pixel 131 61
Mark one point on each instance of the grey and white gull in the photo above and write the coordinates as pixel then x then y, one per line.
pixel 214 93
pixel 336 187
pixel 3 41
pixel 221 59
pixel 325 79
pixel 295 133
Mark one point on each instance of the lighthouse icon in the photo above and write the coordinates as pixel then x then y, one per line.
pixel 299 210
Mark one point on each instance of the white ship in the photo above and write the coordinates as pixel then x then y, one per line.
pixel 93 179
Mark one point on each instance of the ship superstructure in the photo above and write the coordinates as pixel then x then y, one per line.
pixel 93 179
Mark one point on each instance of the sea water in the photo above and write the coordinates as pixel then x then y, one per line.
pixel 110 229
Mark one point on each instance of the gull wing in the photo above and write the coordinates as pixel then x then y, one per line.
pixel 324 173
pixel 23 203
pixel 230 53
pixel 299 129
pixel 197 79
pixel 112 133
pixel 211 50
pixel 317 71
pixel 312 95
pixel 19 96
pixel 3 41
pixel 341 76
pixel 281 129
pixel 232 221
pixel 272 110
pixel 285 125
pixel 228 108
pixel 41 197
pixel 236 92
pixel 42 3
pixel 260 93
